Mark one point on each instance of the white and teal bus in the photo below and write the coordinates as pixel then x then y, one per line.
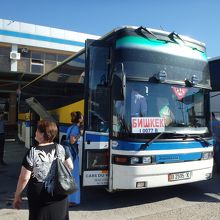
pixel 144 94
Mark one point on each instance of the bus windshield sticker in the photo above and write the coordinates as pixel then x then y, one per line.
pixel 179 92
pixel 147 124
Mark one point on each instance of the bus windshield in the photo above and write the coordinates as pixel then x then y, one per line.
pixel 167 107
pixel 139 61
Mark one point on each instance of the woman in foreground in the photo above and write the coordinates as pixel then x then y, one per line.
pixel 37 172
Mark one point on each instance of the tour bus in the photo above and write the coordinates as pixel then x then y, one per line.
pixel 144 94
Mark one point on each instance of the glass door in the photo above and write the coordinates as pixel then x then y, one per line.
pixel 97 114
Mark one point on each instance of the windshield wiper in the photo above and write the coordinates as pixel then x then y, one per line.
pixel 141 28
pixel 198 138
pixel 172 36
pixel 147 144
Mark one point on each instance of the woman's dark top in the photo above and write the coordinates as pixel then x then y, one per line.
pixel 43 204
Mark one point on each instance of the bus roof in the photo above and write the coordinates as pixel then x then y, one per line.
pixel 165 34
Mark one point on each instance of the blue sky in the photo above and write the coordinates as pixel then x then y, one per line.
pixel 198 19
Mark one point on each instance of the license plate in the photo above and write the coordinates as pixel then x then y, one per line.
pixel 179 176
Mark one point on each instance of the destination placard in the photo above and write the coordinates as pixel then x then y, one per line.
pixel 147 124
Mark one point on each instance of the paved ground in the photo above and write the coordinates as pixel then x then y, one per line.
pixel 14 153
pixel 197 201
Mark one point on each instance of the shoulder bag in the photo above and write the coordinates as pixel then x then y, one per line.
pixel 64 183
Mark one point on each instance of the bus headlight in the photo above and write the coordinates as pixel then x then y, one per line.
pixel 207 155
pixel 147 160
pixel 134 160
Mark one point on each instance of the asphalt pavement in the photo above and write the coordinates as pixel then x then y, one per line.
pixel 196 201
pixel 14 153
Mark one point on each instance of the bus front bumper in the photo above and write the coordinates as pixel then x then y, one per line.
pixel 158 175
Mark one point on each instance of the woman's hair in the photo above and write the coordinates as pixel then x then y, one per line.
pixel 75 116
pixel 48 128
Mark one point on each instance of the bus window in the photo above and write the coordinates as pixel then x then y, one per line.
pixel 97 160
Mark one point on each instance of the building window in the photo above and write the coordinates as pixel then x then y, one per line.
pixel 37 55
pixel 37 66
pixel 37 62
pixel 50 56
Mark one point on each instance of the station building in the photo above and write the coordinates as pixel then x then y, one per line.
pixel 26 51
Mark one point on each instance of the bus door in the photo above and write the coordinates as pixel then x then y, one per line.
pixel 97 115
